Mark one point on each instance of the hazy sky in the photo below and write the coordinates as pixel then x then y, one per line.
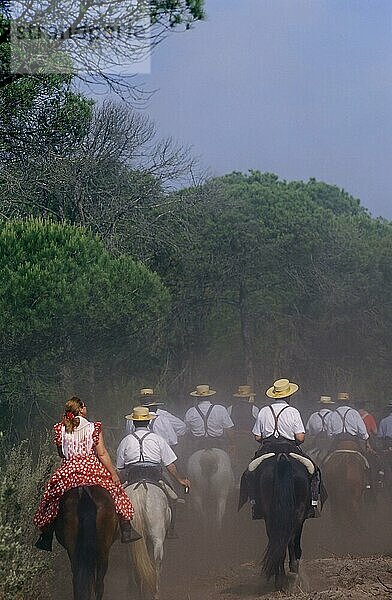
pixel 302 88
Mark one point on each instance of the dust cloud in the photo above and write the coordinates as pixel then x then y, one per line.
pixel 205 565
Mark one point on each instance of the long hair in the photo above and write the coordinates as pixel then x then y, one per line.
pixel 70 420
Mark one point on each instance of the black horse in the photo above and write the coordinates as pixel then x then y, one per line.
pixel 87 526
pixel 281 486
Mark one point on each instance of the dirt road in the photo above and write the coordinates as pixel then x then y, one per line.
pixel 202 565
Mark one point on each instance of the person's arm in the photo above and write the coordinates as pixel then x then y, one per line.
pixel 172 469
pixel 60 451
pixel 105 459
pixel 300 438
pixel 257 429
pixel 299 429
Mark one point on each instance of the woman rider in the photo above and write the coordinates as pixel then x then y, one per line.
pixel 85 462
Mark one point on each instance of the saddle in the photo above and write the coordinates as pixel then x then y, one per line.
pixel 141 475
pixel 310 467
pixel 347 451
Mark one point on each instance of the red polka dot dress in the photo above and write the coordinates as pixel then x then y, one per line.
pixel 82 467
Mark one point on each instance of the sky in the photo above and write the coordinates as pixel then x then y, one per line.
pixel 300 88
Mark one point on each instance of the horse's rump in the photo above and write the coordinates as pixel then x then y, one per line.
pixel 152 519
pixel 283 493
pixel 86 526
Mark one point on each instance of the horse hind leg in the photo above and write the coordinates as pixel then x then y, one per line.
pixel 158 557
pixel 220 511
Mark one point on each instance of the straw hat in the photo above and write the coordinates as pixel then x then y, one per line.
pixel 140 413
pixel 203 390
pixel 147 393
pixel 282 388
pixel 245 391
pixel 326 400
pixel 343 396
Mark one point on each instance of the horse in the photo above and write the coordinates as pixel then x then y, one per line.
pixel 282 485
pixel 152 519
pixel 346 477
pixel 212 478
pixel 86 527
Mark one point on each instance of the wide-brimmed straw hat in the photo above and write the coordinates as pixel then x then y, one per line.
pixel 147 393
pixel 203 390
pixel 326 400
pixel 140 413
pixel 244 391
pixel 282 388
pixel 343 396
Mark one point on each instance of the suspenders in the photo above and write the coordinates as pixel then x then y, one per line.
pixel 276 419
pixel 205 418
pixel 141 440
pixel 323 417
pixel 344 430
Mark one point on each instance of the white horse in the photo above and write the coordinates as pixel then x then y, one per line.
pixel 152 519
pixel 212 481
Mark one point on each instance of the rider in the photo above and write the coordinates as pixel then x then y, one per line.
pixel 85 462
pixel 279 428
pixel 385 429
pixel 316 426
pixel 162 425
pixel 142 453
pixel 348 432
pixel 150 400
pixel 243 413
pixel 207 422
pixel 346 427
pixel 367 417
pixel 385 436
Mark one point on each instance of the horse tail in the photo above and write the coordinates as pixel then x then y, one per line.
pixel 145 571
pixel 208 463
pixel 85 556
pixel 280 520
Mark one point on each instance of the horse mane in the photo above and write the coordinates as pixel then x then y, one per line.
pixel 144 567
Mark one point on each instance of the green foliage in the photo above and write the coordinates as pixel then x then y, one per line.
pixel 26 574
pixel 67 303
pixel 270 277
pixel 177 12
pixel 40 115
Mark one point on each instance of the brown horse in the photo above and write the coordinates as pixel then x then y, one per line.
pixel 346 477
pixel 86 527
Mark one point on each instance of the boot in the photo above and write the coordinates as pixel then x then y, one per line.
pixel 128 532
pixel 45 540
pixel 256 511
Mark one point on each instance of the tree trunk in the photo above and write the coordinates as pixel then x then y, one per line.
pixel 246 335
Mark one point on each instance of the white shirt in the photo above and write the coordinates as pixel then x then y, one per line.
pixel 155 449
pixel 161 426
pixel 178 425
pixel 289 422
pixel 315 423
pixel 385 427
pixel 218 420
pixel 354 424
pixel 255 411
